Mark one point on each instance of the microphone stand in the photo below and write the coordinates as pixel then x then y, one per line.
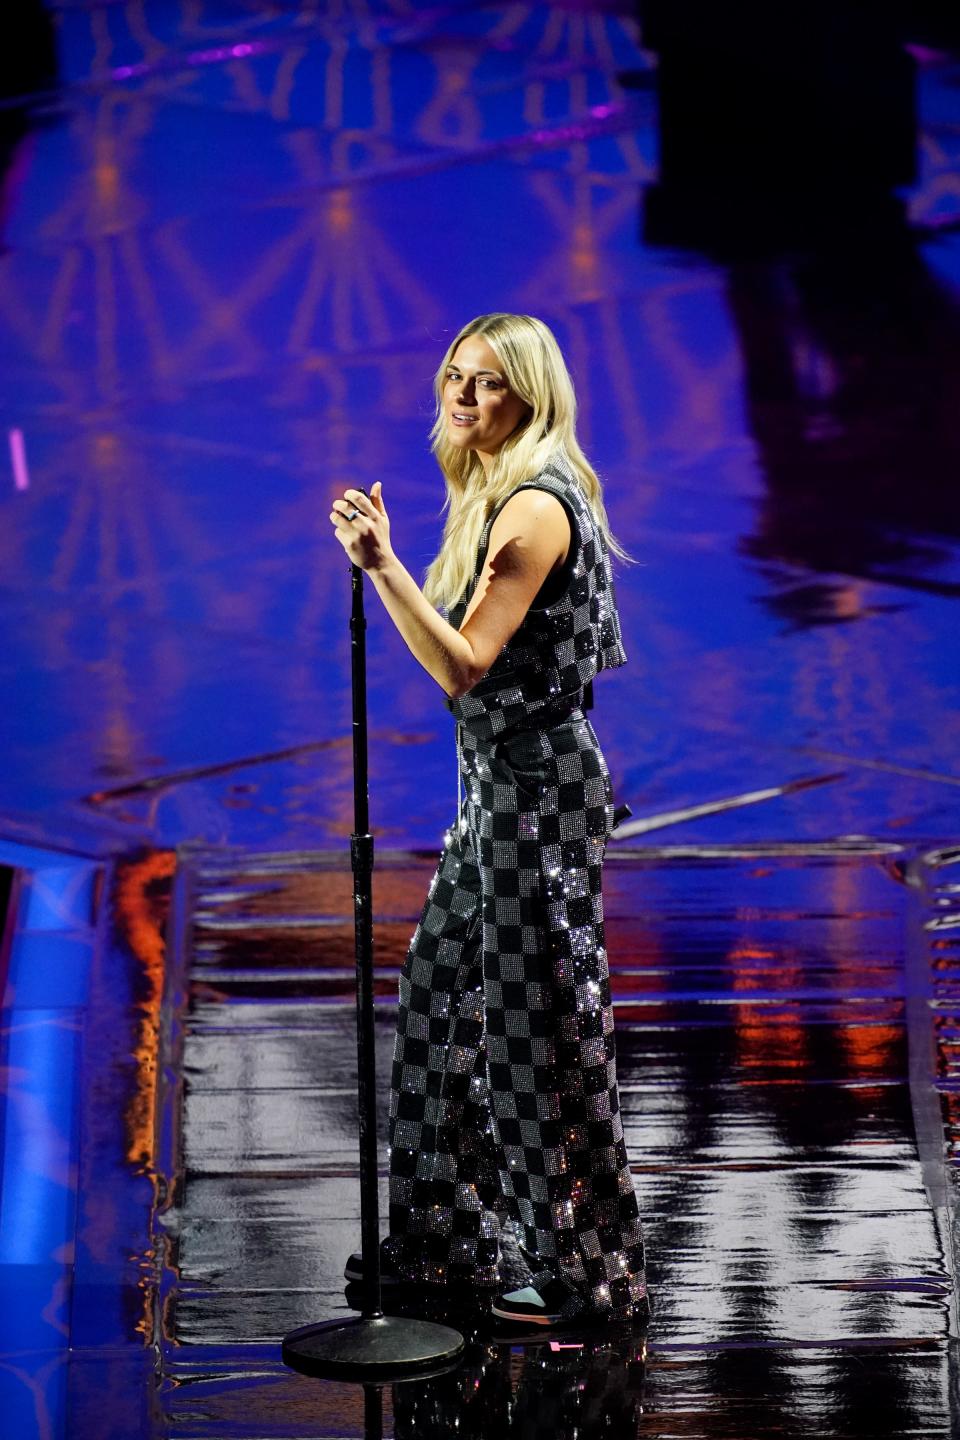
pixel 369 1346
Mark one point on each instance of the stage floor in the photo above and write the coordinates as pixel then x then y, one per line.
pixel 786 1021
pixel 234 256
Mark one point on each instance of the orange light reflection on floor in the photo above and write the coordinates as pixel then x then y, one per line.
pixel 769 1035
pixel 142 901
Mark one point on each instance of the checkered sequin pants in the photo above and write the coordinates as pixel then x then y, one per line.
pixel 504 1106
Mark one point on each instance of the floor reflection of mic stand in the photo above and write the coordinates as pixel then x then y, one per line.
pixel 371 1345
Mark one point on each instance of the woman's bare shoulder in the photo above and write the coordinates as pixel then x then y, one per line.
pixel 530 506
pixel 534 524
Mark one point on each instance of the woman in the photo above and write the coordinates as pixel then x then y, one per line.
pixel 504 1103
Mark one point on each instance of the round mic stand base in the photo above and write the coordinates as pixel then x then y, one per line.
pixel 382 1347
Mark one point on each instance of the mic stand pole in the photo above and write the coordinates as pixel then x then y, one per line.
pixel 369 1346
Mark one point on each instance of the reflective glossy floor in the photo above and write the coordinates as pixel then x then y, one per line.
pixel 233 255
pixel 180 1179
pixel 233 242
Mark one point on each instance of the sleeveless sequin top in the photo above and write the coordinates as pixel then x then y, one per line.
pixel 546 668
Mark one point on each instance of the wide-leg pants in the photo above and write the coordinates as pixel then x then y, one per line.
pixel 504 1107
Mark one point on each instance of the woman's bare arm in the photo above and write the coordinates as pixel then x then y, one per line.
pixel 530 536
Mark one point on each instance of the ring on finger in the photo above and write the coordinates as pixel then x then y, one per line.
pixel 352 514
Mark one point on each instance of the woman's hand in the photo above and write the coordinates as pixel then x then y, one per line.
pixel 366 538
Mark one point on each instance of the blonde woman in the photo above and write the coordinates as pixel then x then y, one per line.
pixel 504 1107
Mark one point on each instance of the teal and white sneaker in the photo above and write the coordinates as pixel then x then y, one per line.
pixel 545 1300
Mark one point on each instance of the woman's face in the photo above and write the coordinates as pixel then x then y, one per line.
pixel 479 407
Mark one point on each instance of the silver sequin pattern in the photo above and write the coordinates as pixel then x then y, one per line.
pixel 559 648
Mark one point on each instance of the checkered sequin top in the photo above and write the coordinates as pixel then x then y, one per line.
pixel 543 670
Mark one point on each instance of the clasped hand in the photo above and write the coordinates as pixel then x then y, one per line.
pixel 366 538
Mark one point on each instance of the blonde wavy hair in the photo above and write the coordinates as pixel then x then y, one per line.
pixel 534 368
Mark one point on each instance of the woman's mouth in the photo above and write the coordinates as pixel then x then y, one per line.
pixel 460 417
